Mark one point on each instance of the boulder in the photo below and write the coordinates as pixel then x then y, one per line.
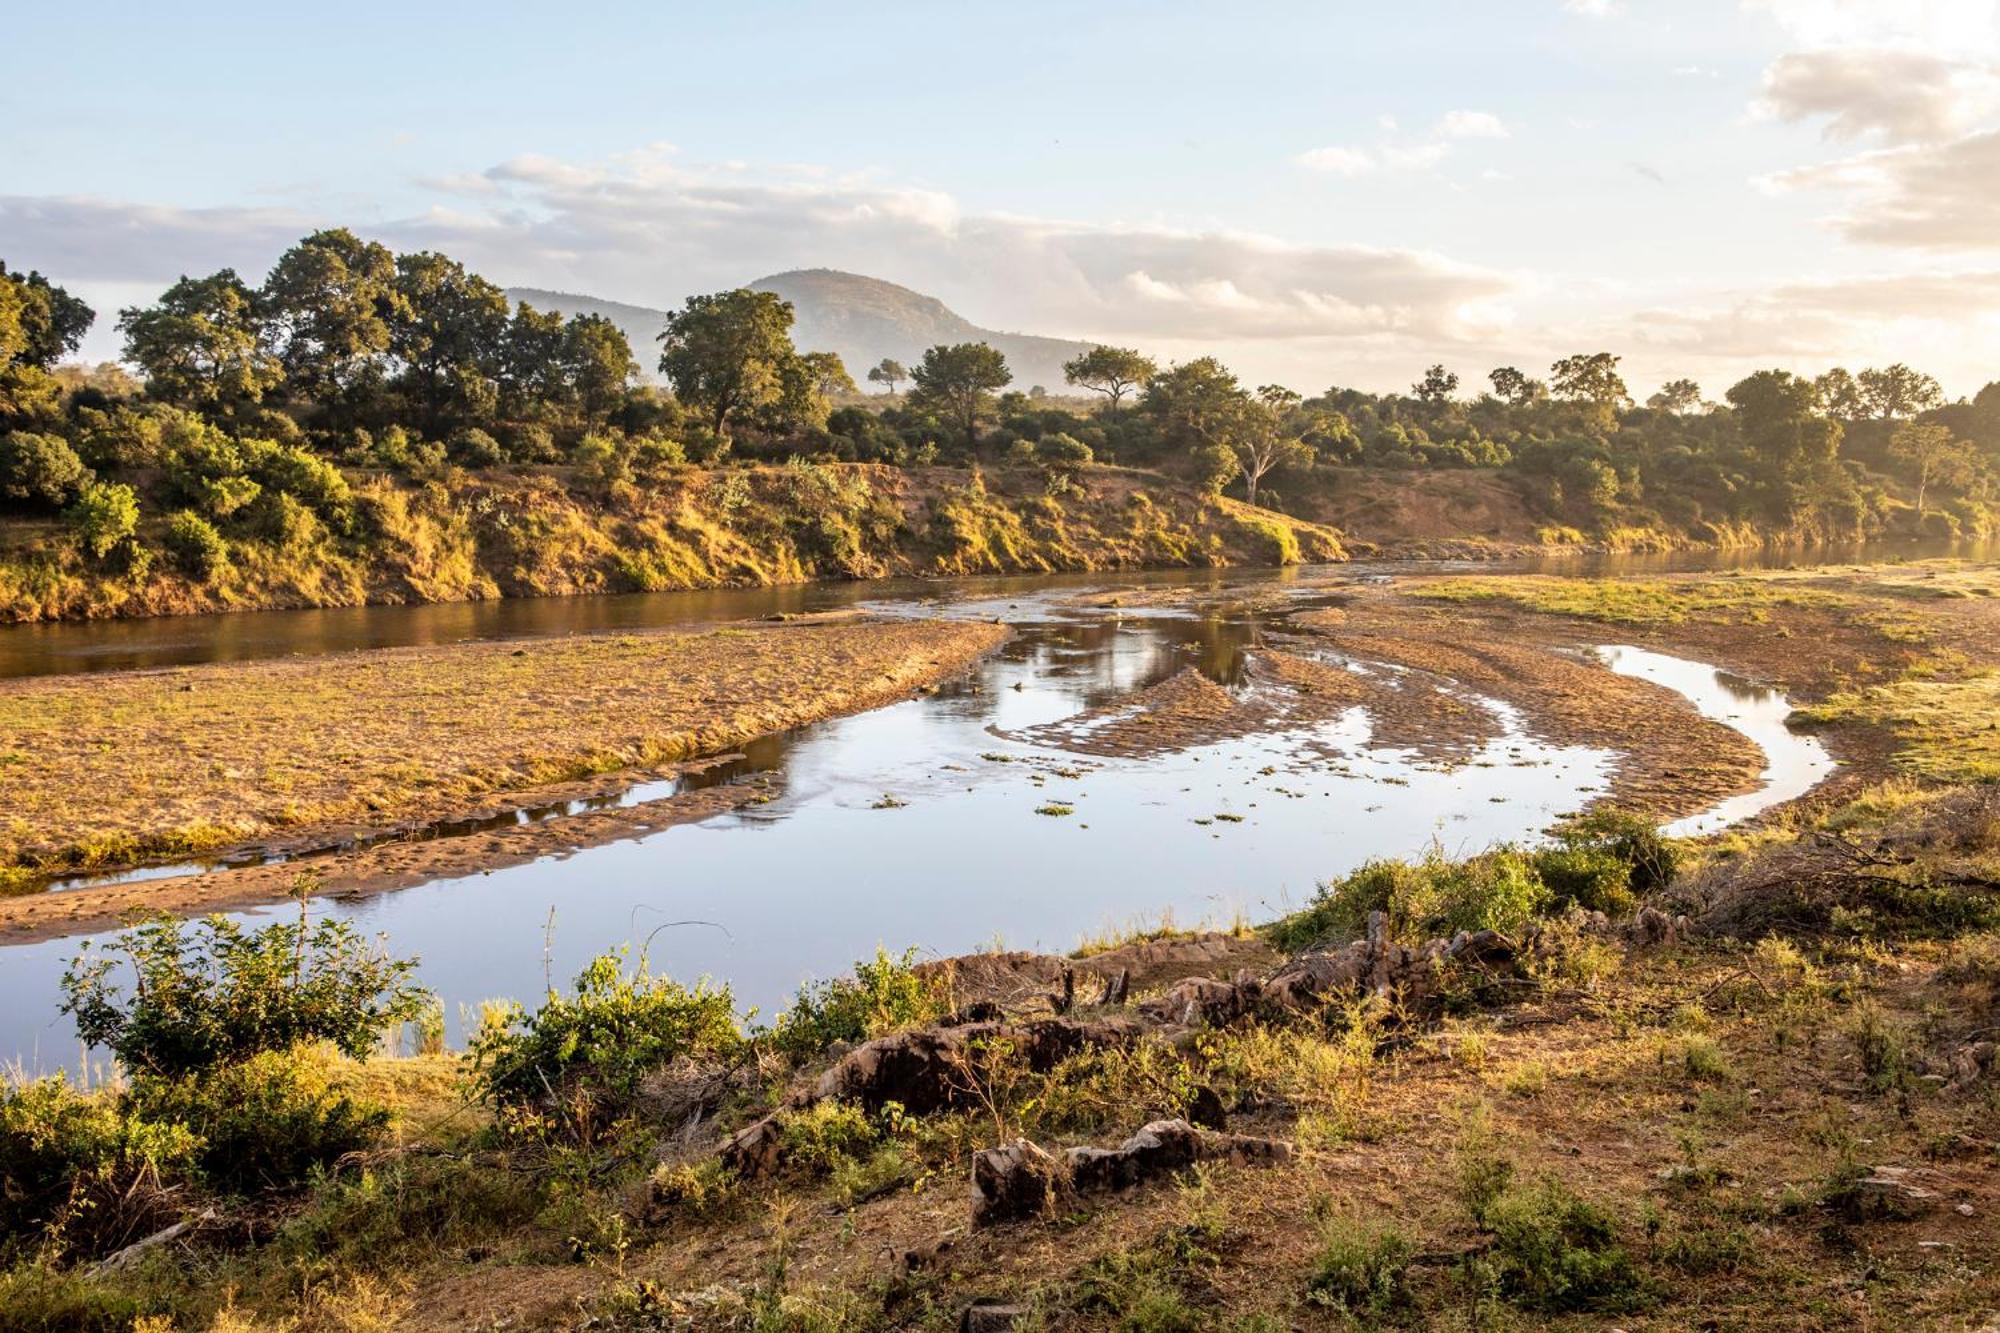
pixel 1015 1180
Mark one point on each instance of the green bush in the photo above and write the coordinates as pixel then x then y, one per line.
pixel 575 1064
pixel 533 443
pixel 105 514
pixel 264 1123
pixel 473 447
pixel 209 992
pixel 222 497
pixel 1555 1251
pixel 1434 897
pixel 826 1134
pixel 881 997
pixel 196 548
pixel 39 469
pixel 1359 1270
pixel 1631 840
pixel 82 1172
pixel 409 1206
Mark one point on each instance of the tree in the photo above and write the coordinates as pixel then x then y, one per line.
pixel 727 354
pixel 1590 378
pixel 105 514
pixel 449 331
pixel 888 373
pixel 329 301
pixel 810 380
pixel 1676 396
pixel 598 363
pixel 40 469
pixel 1516 389
pixel 1778 416
pixel 1437 386
pixel 1840 395
pixel 1898 393
pixel 957 382
pixel 1111 371
pixel 1264 440
pixel 1935 454
pixel 40 323
pixel 202 344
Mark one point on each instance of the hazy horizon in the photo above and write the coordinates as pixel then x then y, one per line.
pixel 1317 197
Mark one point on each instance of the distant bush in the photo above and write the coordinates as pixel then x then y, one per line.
pixel 473 447
pixel 82 1172
pixel 533 443
pixel 39 469
pixel 575 1065
pixel 210 992
pixel 1359 1270
pixel 601 463
pixel 105 514
pixel 882 996
pixel 266 1122
pixel 196 548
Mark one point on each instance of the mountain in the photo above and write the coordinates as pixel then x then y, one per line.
pixel 863 319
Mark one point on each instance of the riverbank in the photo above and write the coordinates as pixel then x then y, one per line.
pixel 105 771
pixel 547 532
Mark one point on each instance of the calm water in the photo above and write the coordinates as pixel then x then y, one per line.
pixel 829 870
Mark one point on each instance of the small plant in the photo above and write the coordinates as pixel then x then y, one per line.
pixel 884 995
pixel 1554 1251
pixel 82 1172
pixel 826 1134
pixel 1484 1173
pixel 1055 809
pixel 1360 1269
pixel 579 1059
pixel 1882 1047
pixel 210 992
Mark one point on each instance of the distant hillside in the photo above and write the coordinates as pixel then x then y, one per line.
pixel 862 319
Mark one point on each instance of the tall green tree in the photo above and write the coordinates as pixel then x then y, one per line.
pixel 329 302
pixel 1677 396
pixel 957 382
pixel 1840 395
pixel 203 344
pixel 599 364
pixel 1591 378
pixel 1934 455
pixel 888 373
pixel 1778 415
pixel 40 323
pixel 727 354
pixel 1516 389
pixel 1436 387
pixel 1111 371
pixel 448 330
pixel 1897 393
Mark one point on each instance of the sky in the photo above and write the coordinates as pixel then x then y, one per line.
pixel 1319 193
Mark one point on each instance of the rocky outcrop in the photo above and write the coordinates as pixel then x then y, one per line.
pixel 1018 1180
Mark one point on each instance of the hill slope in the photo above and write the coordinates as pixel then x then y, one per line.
pixel 862 319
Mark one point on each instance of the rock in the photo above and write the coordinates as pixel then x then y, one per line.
pixel 930 1069
pixel 1972 1062
pixel 990 1317
pixel 1163 1147
pixel 752 1153
pixel 1654 928
pixel 1205 1108
pixel 1889 1191
pixel 1013 1181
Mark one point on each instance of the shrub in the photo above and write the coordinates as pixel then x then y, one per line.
pixel 305 476
pixel 220 497
pixel 40 469
pixel 197 549
pixel 1555 1251
pixel 1631 840
pixel 80 1171
pixel 533 443
pixel 265 1122
pixel 473 447
pixel 825 1134
pixel 579 1058
pixel 881 997
pixel 1359 1270
pixel 209 992
pixel 601 463
pixel 1436 896
pixel 105 514
pixel 415 1205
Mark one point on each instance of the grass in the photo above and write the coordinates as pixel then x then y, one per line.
pixel 1944 727
pixel 1649 602
pixel 165 764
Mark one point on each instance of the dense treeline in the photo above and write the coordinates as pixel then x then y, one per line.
pixel 258 410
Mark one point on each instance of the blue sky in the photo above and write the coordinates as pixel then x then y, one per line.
pixel 1319 192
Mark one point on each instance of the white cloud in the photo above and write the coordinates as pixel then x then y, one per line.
pixel 1471 125
pixel 1337 161
pixel 1956 28
pixel 1594 8
pixel 1414 157
pixel 1895 96
pixel 1920 196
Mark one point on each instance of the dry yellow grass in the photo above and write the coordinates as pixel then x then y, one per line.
pixel 99 770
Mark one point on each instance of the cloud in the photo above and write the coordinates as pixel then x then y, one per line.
pixel 1958 28
pixel 1471 125
pixel 1596 9
pixel 1922 196
pixel 1338 161
pixel 1894 96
